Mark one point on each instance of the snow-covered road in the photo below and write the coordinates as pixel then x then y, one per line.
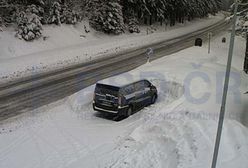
pixel 177 132
pixel 65 47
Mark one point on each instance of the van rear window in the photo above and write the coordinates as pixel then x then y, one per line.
pixel 107 89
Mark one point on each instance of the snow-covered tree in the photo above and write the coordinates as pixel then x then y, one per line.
pixel 62 13
pixel 95 9
pixel 69 16
pixel 3 2
pixel 55 13
pixel 35 10
pixel 133 25
pixel 29 26
pixel 114 22
pixel 107 16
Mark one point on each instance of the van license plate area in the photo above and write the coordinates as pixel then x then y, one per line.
pixel 106 103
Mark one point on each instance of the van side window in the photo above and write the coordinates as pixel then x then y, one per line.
pixel 139 86
pixel 147 84
pixel 128 89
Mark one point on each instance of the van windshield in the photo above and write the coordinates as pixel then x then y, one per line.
pixel 107 89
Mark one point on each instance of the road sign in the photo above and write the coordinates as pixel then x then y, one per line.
pixel 149 53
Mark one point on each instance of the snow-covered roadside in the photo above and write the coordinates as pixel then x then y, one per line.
pixel 177 132
pixel 19 59
pixel 182 134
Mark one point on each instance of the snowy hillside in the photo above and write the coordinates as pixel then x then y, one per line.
pixel 177 132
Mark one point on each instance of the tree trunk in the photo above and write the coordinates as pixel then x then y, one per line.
pixel 145 20
pixel 150 20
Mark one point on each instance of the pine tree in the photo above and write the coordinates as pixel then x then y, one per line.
pixel 54 13
pixel 69 16
pixel 133 25
pixel 2 4
pixel 107 17
pixel 96 19
pixel 174 10
pixel 29 26
pixel 1 24
pixel 114 22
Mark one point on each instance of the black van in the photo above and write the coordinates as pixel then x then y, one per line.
pixel 124 100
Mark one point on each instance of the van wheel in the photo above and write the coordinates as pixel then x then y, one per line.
pixel 153 99
pixel 129 111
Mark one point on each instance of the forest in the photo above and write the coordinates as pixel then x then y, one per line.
pixel 108 16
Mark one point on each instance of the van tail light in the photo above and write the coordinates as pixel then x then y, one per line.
pixel 119 100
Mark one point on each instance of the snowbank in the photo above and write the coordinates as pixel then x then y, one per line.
pixel 182 144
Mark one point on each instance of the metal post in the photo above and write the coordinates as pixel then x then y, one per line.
pixel 209 42
pixel 246 55
pixel 225 90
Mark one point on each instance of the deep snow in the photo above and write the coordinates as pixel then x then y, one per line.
pixel 69 45
pixel 177 132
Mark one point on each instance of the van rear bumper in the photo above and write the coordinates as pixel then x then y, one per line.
pixel 119 111
pixel 104 110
